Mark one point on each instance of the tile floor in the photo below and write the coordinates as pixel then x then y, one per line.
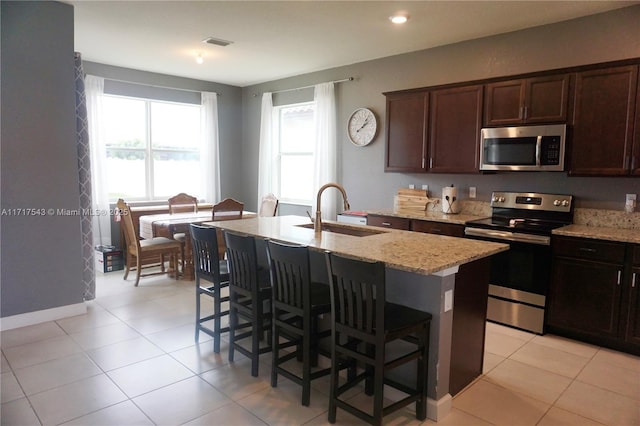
pixel 131 360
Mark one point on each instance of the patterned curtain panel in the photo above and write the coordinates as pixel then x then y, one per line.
pixel 84 174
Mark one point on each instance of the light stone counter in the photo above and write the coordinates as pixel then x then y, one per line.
pixel 420 273
pixel 414 252
pixel 600 233
pixel 435 216
pixel 610 225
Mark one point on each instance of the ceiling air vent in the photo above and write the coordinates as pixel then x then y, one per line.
pixel 216 41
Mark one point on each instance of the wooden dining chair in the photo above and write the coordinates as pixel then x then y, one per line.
pixel 228 209
pixel 145 253
pixel 182 203
pixel 268 206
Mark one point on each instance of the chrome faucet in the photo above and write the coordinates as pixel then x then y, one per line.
pixel 317 224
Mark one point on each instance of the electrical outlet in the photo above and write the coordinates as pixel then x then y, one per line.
pixel 425 187
pixel 412 186
pixel 448 300
pixel 631 197
pixel 472 192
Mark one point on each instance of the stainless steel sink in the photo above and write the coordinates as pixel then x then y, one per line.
pixel 346 230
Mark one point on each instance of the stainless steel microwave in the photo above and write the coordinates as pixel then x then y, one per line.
pixel 523 148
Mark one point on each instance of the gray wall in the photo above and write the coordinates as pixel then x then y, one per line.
pixel 599 38
pixel 41 255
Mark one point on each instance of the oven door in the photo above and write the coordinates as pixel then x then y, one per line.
pixel 519 278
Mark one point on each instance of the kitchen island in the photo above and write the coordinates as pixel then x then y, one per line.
pixel 421 270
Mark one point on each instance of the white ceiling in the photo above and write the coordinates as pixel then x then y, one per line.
pixel 278 39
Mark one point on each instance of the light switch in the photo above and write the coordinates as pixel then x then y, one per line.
pixel 472 192
pixel 448 300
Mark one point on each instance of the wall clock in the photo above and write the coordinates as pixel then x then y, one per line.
pixel 362 126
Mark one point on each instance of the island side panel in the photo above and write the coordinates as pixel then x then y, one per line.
pixel 427 293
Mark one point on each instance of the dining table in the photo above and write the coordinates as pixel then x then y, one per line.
pixel 167 225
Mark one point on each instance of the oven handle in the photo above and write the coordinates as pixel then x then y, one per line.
pixel 508 236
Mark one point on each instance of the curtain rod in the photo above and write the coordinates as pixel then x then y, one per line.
pixel 308 87
pixel 159 87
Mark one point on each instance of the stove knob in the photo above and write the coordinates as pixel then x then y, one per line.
pixel 501 199
pixel 565 203
pixel 495 199
pixel 556 203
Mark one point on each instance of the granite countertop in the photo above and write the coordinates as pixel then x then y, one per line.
pixel 436 216
pixel 409 251
pixel 600 232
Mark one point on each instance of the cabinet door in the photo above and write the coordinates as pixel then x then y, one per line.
pixel 455 122
pixel 503 103
pixel 431 227
pixel 585 297
pixel 635 155
pixel 546 99
pixel 632 332
pixel 604 107
pixel 388 222
pixel 406 147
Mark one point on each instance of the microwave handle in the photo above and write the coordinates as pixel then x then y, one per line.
pixel 538 150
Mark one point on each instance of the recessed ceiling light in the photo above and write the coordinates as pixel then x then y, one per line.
pixel 217 41
pixel 399 19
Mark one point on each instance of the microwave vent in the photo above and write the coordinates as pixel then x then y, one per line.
pixel 216 41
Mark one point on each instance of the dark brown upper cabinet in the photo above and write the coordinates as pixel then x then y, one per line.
pixel 407 119
pixel 455 121
pixel 527 101
pixel 604 117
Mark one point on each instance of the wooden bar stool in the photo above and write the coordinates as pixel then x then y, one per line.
pixel 249 299
pixel 209 269
pixel 363 323
pixel 297 303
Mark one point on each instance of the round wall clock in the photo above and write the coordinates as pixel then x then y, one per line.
pixel 362 126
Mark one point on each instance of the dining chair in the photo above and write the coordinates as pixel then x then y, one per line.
pixel 268 206
pixel 249 299
pixel 146 253
pixel 297 304
pixel 212 278
pixel 182 203
pixel 228 209
pixel 363 322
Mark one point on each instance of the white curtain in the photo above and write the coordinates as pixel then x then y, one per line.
pixel 267 154
pixel 94 89
pixel 325 148
pixel 210 151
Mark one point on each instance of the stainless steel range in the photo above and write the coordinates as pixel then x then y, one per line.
pixel 520 276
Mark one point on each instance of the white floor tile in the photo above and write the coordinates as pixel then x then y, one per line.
pixel 235 380
pixel 181 402
pixel 30 334
pixel 122 414
pixel 57 372
pixel 176 338
pixel 612 377
pixel 77 399
pixel 627 361
pixel 124 353
pixel 103 336
pixel 10 389
pixel 501 344
pixel 232 414
pixel 96 316
pixel 558 417
pixel 149 375
pixel 18 413
pixel 200 358
pixel 551 359
pixel 41 351
pixel 566 345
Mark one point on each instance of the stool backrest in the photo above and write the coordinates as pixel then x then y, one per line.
pixel 204 241
pixel 243 261
pixel 290 275
pixel 357 295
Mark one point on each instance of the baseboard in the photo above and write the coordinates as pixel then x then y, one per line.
pixel 438 410
pixel 37 317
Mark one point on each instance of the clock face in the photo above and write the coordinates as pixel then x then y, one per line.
pixel 362 126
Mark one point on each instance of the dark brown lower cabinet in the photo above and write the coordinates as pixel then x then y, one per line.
pixel 632 329
pixel 594 294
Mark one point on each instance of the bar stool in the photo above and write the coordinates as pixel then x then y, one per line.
pixel 363 323
pixel 297 303
pixel 209 269
pixel 249 298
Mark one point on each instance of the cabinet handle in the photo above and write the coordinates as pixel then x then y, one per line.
pixel 633 280
pixel 633 162
pixel 521 113
pixel 619 276
pixel 386 224
pixel 436 231
pixel 526 112
pixel 422 163
pixel 587 249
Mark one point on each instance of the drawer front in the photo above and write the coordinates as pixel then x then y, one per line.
pixel 388 222
pixel 440 228
pixel 636 255
pixel 582 248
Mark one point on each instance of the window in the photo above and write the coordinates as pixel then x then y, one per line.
pixel 152 148
pixel 294 136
